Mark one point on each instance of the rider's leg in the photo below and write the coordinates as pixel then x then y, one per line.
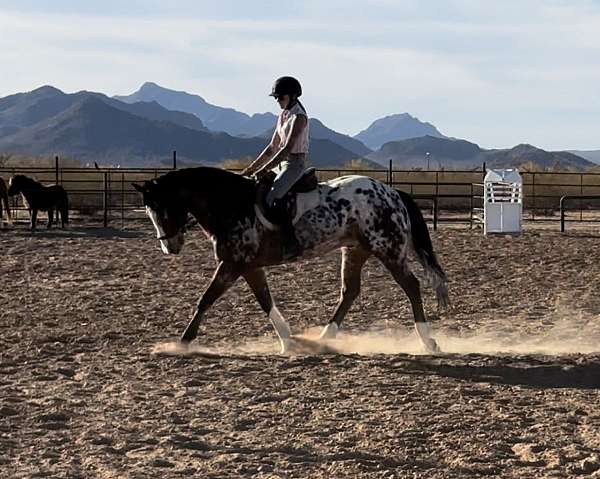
pixel 290 172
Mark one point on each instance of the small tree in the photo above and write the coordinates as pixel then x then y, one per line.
pixel 4 157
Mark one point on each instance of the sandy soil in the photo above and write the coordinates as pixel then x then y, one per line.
pixel 83 395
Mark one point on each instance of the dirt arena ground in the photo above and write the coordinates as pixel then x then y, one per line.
pixel 82 395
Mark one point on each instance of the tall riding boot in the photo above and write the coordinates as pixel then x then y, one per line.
pixel 290 246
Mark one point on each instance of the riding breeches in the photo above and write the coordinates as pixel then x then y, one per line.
pixel 288 172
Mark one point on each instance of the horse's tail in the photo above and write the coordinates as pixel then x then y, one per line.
pixel 423 248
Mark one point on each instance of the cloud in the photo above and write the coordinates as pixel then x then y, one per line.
pixel 489 72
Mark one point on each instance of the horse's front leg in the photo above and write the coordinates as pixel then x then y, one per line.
pixel 257 280
pixel 225 275
pixel 50 217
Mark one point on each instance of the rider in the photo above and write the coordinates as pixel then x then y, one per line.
pixel 288 151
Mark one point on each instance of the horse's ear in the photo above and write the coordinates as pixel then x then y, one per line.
pixel 140 188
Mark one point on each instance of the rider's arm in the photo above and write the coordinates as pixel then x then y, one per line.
pixel 264 157
pixel 298 124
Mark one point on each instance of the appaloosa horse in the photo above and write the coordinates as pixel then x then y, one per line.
pixel 4 200
pixel 360 215
pixel 39 197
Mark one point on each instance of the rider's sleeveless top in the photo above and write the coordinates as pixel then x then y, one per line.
pixel 284 129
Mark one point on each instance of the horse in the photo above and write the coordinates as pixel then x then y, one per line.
pixel 4 199
pixel 362 216
pixel 39 197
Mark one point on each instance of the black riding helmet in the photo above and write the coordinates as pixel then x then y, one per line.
pixel 286 86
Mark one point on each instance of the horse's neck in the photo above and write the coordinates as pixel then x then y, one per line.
pixel 219 209
pixel 32 185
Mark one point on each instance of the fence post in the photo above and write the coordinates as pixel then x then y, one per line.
pixel 534 203
pixel 56 168
pixel 562 213
pixel 390 174
pixel 580 194
pixel 471 202
pixel 174 159
pixel 122 200
pixel 105 199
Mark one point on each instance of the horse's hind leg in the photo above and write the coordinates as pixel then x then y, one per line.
pixel 51 217
pixel 257 280
pixel 410 285
pixel 225 275
pixel 353 259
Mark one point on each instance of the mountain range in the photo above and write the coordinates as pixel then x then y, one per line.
pixel 441 152
pixel 215 118
pixel 92 126
pixel 143 128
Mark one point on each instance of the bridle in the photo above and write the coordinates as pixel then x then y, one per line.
pixel 183 229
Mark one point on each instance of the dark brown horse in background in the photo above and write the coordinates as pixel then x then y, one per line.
pixel 38 197
pixel 4 201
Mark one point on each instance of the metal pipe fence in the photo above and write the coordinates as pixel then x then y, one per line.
pixel 105 195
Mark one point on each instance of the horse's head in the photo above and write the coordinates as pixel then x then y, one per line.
pixel 168 215
pixel 16 184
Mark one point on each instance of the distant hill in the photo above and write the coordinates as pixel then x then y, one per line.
pixel 318 131
pixel 27 109
pixel 91 126
pixel 590 155
pixel 522 154
pixel 395 128
pixel 94 129
pixel 453 153
pixel 214 117
pixel 443 152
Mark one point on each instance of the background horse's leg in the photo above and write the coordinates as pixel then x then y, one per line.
pixel 64 216
pixel 410 285
pixel 353 260
pixel 225 275
pixel 33 218
pixel 257 280
pixel 51 217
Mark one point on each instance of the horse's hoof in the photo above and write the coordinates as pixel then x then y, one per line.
pixel 285 345
pixel 329 331
pixel 431 347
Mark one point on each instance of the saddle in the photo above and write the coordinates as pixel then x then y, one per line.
pixel 293 204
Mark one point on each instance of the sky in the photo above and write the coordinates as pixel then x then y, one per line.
pixel 497 73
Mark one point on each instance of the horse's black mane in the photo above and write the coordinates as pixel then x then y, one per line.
pixel 206 178
pixel 229 196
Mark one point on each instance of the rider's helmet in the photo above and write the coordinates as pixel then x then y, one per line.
pixel 286 86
